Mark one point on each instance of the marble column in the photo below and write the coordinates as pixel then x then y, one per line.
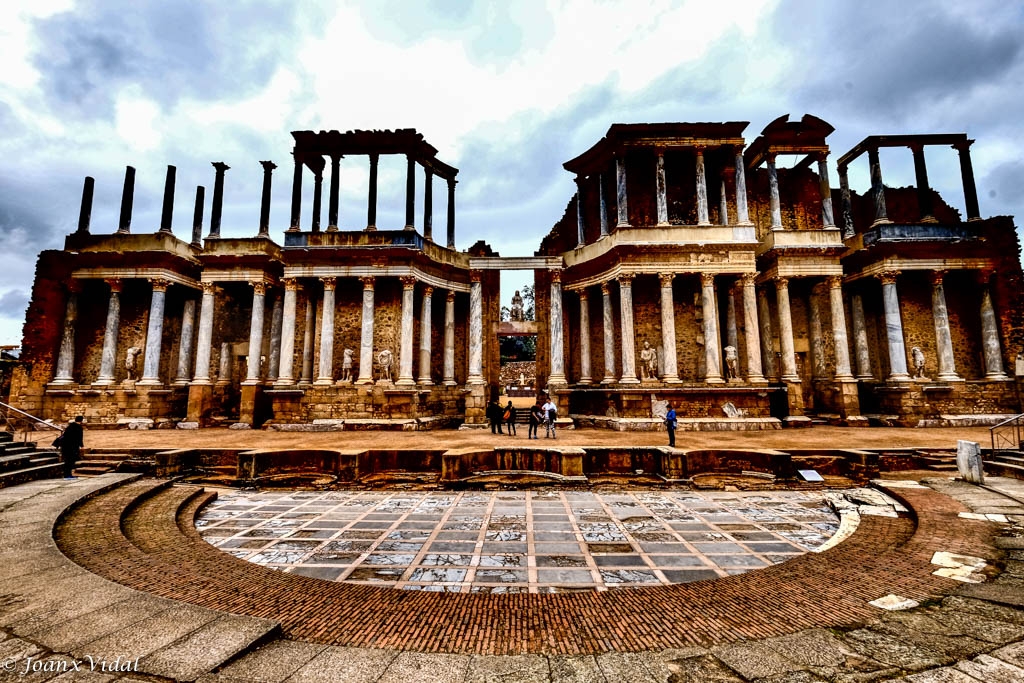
pixel 604 205
pixel 204 343
pixel 276 323
pixel 764 320
pixel 877 187
pixel 816 335
pixel 786 330
pixel 842 344
pixel 924 190
pixel 428 204
pixel 296 195
pixel 712 352
pixel 732 335
pixel 308 334
pixel 366 333
pixel 449 339
pixel 410 193
pixel 268 170
pixel 585 377
pixel 188 314
pixel 154 333
pixel 218 197
pixel 108 359
pixel 581 234
pixel 723 202
pixel 626 329
pixel 224 375
pixel 167 211
pixel 621 199
pixel 844 189
pixel 668 329
pixel 555 327
pixel 197 217
pixel 325 369
pixel 862 352
pixel 124 225
pixel 451 213
pixel 943 338
pixel 405 348
pixel 742 213
pixel 286 361
pixel 755 374
pixel 660 184
pixel 333 200
pixel 371 199
pixel 476 328
pixel 66 358
pixel 252 365
pixel 894 327
pixel 702 190
pixel 967 176
pixel 990 346
pixel 609 334
pixel 425 320
pixel 85 210
pixel 318 188
pixel 773 188
pixel 827 218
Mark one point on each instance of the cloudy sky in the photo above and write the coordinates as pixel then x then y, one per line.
pixel 506 91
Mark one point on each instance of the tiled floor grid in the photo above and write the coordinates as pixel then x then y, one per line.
pixel 517 541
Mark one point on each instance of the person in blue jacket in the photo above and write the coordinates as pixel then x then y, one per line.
pixel 670 425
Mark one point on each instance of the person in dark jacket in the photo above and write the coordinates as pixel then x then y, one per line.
pixel 71 442
pixel 670 425
pixel 509 417
pixel 536 419
pixel 494 415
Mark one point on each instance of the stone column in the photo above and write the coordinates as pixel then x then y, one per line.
pixel 668 329
pixel 773 187
pixel 449 339
pixel 296 195
pixel 557 375
pixel 581 236
pixel 185 344
pixel 85 211
pixel 167 211
pixel 197 218
pixel 842 344
pixel 742 214
pixel 205 341
pixel 585 377
pixel 405 377
pixel 108 360
pixel 604 205
pixel 124 225
pixel 628 340
pixel 268 169
pixel 318 187
pixel 877 187
pixel 991 348
pixel 410 193
pixel 621 199
pixel 894 327
pixel 817 337
pixel 943 338
pixel 286 362
pixel 732 335
pixel 325 371
pixel 827 219
pixel 276 322
pixel 764 319
pixel 428 204
pixel 924 191
pixel 332 206
pixel 786 330
pixel 755 374
pixel 844 188
pixel 451 213
pixel 366 334
pixel 860 338
pixel 371 200
pixel 660 184
pixel 154 333
pixel 308 333
pixel 476 328
pixel 218 198
pixel 425 315
pixel 609 335
pixel 66 357
pixel 967 176
pixel 702 190
pixel 723 202
pixel 252 365
pixel 712 352
pixel 224 376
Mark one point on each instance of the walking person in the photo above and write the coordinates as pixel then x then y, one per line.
pixel 510 419
pixel 494 415
pixel 550 415
pixel 536 418
pixel 71 442
pixel 670 425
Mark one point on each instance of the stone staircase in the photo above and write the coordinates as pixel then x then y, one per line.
pixel 937 461
pixel 23 462
pixel 1006 464
pixel 95 464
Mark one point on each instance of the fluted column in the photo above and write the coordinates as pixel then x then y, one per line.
pixel 451 213
pixel 428 204
pixel 154 333
pixel 967 176
pixel 621 199
pixel 862 352
pixel 204 343
pixel 286 361
pixel 252 366
pixel 371 202
pixel 66 357
pixel 742 213
pixel 894 327
pixel 991 348
pixel 924 190
pixel 410 193
pixel 366 334
pixel 318 189
pixel 786 330
pixel 185 342
pixel 218 197
pixel 332 205
pixel 449 339
pixel 668 329
pixel 108 360
pixel 755 373
pixel 325 370
pixel 405 377
pixel 827 218
pixel 585 377
pixel 943 338
pixel 628 340
pixel 276 323
pixel 712 352
pixel 294 226
pixel 425 316
pixel 557 375
pixel 877 187
pixel 702 190
pixel 581 234
pixel 764 320
pixel 603 204
pixel 476 328
pixel 660 184
pixel 268 170
pixel 124 225
pixel 609 334
pixel 842 344
pixel 773 190
pixel 308 333
pixel 844 189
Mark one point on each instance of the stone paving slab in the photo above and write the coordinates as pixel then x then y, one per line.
pixel 273 662
pixel 418 666
pixel 352 665
pixel 65 635
pixel 991 670
pixel 148 635
pixel 206 647
pixel 524 668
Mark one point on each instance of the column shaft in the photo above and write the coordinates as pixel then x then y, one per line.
pixel 557 375
pixel 764 319
pixel 924 191
pixel 410 193
pixel 773 187
pixel 712 352
pixel 185 343
pixel 668 328
pixel 124 225
pixel 943 338
pixel 451 213
pixel 325 370
pixel 167 211
pixel 609 335
pixel 252 366
pixel 371 199
pixel 405 376
pixel 827 218
pixel 702 191
pixel 844 188
pixel 585 377
pixel 154 334
pixel 967 176
pixel 296 195
pixel 817 337
pixel 991 348
pixel 204 342
pixel 108 361
pixel 308 332
pixel 732 335
pixel 318 188
pixel 85 211
pixel 842 344
pixel 268 169
pixel 626 327
pixel 723 203
pixel 621 199
pixel 66 357
pixel 333 201
pixel 862 352
pixel 660 184
pixel 742 214
pixel 581 236
pixel 877 187
pixel 894 328
pixel 476 330
pixel 786 331
pixel 603 203
pixel 286 361
pixel 197 217
pixel 276 323
pixel 425 320
pixel 366 334
pixel 428 205
pixel 226 362
pixel 751 330
pixel 218 198
pixel 449 339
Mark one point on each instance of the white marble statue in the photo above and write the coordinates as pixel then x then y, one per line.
pixel 385 359
pixel 346 365
pixel 732 363
pixel 131 364
pixel 516 312
pixel 648 361
pixel 918 356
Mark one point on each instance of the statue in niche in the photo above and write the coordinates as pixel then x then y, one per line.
pixel 385 359
pixel 648 362
pixel 346 365
pixel 131 362
pixel 732 363
pixel 516 313
pixel 918 357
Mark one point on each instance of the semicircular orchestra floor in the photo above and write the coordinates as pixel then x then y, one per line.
pixel 517 541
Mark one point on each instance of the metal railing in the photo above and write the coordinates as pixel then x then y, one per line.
pixel 13 417
pixel 1007 435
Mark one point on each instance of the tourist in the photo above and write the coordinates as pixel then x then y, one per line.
pixel 70 443
pixel 670 425
pixel 509 418
pixel 494 415
pixel 550 415
pixel 536 418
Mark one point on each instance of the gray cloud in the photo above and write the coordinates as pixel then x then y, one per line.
pixel 13 303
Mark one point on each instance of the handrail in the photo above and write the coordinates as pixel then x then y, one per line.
pixel 1007 443
pixel 995 426
pixel 30 416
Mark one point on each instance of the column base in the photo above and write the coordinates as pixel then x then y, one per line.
pixel 321 382
pixel 149 382
pixel 865 378
pixel 714 380
pixel 790 378
pixel 223 383
pixel 608 380
pixel 880 221
pixel 364 381
pixel 332 228
pixel 425 382
pixel 757 380
pixel 105 382
pixel 586 380
pixel 475 381
pixel 557 379
pixel 371 228
pixel 180 382
pixel 843 378
pixel 623 225
pixel 284 382
pixel 201 382
pixel 997 377
pixel 410 228
pixel 305 383
pixel 251 383
pixel 61 383
pixel 405 382
pixel 953 377
pixel 450 383
pixel 672 380
pixel 830 228
pixel 703 224
pixel 629 380
pixel 664 224
pixel 898 377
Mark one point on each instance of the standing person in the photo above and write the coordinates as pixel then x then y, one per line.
pixel 494 415
pixel 510 419
pixel 550 415
pixel 71 442
pixel 670 425
pixel 536 418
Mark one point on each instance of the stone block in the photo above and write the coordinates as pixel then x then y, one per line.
pixel 968 462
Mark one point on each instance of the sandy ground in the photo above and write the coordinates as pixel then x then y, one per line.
pixel 816 437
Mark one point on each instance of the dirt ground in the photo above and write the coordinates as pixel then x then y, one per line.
pixel 816 437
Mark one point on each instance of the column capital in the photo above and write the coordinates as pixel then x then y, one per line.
pixel 707 279
pixel 916 146
pixel 748 279
pixel 259 288
pixel 770 157
pixel 367 281
pixel 834 281
pixel 336 158
pixel 74 286
pixel 329 283
pixel 937 276
pixel 209 288
pixel 476 275
pixel 700 149
pixel 888 277
pixel 408 281
pixel 291 284
pixel 115 285
pixel 606 288
pixel 159 284
pixel 450 296
pixel 842 170
pixel 582 293
pixel 781 283
pixel 556 275
pixel 985 275
pixel 659 150
pixel 626 279
pixel 268 166
pixel 666 279
pixel 962 145
pixel 428 290
pixel 220 166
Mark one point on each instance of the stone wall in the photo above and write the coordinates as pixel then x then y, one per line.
pixel 373 402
